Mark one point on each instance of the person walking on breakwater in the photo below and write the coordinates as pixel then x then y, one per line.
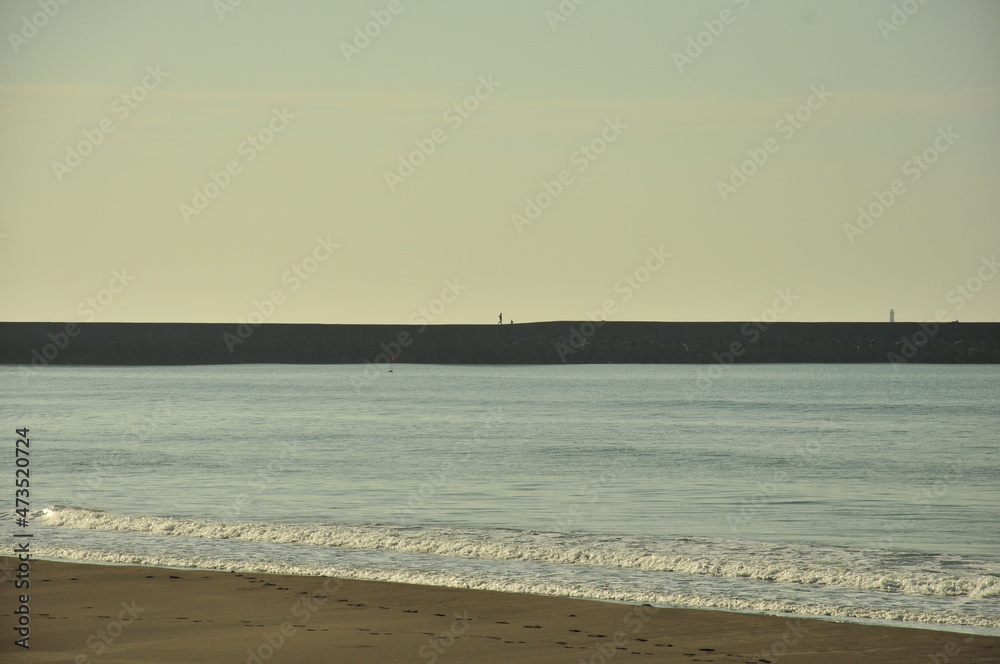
pixel 501 319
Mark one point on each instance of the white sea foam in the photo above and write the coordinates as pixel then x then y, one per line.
pixel 788 563
pixel 517 585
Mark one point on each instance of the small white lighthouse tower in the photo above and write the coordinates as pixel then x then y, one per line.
pixel 892 315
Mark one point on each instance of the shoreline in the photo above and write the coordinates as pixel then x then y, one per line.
pixel 121 613
pixel 964 629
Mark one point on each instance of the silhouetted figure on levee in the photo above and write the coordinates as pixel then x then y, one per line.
pixel 501 319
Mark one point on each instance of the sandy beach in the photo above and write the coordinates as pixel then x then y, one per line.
pixel 98 613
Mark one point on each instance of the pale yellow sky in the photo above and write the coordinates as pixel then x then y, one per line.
pixel 198 161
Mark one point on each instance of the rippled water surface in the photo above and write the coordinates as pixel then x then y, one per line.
pixel 858 491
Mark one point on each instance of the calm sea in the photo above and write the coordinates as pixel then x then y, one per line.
pixel 858 492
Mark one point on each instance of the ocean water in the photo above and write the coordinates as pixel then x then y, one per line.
pixel 850 492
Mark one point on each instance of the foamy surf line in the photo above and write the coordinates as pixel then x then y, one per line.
pixel 905 618
pixel 860 569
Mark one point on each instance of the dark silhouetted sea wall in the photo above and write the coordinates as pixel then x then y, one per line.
pixel 530 343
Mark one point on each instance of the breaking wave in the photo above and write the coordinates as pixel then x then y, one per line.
pixel 865 569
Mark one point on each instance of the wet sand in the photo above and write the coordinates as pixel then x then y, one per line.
pixel 100 613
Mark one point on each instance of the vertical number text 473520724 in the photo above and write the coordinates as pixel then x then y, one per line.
pixel 22 538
